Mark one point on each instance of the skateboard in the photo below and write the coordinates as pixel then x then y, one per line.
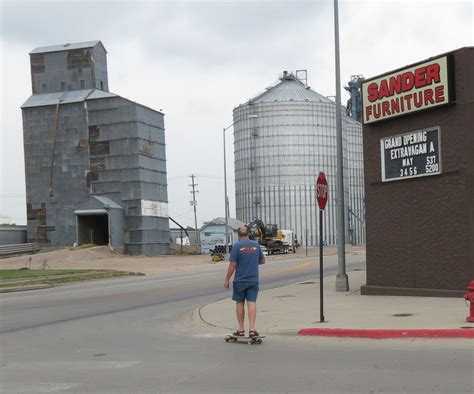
pixel 249 340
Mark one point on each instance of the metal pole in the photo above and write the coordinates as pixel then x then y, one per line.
pixel 225 201
pixel 226 198
pixel 321 294
pixel 342 281
pixel 306 237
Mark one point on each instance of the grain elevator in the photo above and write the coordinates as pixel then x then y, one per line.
pixel 95 162
pixel 283 138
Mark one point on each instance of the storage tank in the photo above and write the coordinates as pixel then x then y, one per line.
pixel 283 138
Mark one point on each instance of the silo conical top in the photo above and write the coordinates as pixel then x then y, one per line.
pixel 290 88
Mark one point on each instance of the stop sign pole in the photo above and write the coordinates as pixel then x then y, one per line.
pixel 322 198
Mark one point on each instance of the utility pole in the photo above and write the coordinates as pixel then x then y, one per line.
pixel 226 201
pixel 194 204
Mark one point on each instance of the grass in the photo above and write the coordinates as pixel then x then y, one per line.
pixel 28 273
pixel 27 277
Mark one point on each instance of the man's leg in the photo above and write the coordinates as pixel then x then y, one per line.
pixel 252 311
pixel 240 308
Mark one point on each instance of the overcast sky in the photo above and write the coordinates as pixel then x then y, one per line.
pixel 197 60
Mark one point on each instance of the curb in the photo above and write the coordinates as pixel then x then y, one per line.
pixel 25 288
pixel 388 334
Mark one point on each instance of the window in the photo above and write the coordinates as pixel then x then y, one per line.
pixel 101 85
pixel 83 84
pixel 44 88
pixel 63 86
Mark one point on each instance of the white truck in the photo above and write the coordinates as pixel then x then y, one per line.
pixel 288 237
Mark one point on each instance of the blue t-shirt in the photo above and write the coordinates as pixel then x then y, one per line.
pixel 247 254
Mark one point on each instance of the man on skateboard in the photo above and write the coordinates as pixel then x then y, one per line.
pixel 244 260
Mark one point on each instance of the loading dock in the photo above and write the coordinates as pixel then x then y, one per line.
pixel 93 228
pixel 100 221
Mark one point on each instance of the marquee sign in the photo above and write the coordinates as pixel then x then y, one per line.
pixel 412 89
pixel 411 155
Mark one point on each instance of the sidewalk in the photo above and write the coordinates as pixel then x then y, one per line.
pixel 295 307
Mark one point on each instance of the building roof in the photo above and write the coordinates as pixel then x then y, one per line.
pixel 107 202
pixel 96 203
pixel 72 96
pixel 234 224
pixel 289 88
pixel 67 47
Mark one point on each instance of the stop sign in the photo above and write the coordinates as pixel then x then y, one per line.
pixel 322 191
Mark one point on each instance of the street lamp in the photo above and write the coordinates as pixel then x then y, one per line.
pixel 342 281
pixel 226 198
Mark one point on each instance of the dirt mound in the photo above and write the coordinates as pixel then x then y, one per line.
pixel 102 257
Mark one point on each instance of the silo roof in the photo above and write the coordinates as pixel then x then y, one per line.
pixel 73 96
pixel 67 47
pixel 289 89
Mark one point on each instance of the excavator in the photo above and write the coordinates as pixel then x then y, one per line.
pixel 269 236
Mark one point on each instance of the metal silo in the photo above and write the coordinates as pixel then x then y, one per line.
pixel 283 138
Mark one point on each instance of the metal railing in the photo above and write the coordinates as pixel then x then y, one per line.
pixel 9 250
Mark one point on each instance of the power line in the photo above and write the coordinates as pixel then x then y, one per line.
pixel 182 214
pixel 215 177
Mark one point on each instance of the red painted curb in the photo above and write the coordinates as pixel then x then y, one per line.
pixel 387 334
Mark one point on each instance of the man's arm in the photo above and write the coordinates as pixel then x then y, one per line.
pixel 230 272
pixel 261 259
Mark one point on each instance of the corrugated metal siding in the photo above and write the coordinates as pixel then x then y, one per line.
pixel 68 68
pixel 13 235
pixel 278 156
pixel 100 149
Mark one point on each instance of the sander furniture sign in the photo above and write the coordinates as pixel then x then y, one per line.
pixel 411 155
pixel 419 87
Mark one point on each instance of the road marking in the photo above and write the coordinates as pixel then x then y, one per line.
pixel 82 364
pixel 37 387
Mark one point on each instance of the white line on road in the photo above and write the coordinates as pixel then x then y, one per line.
pixel 37 387
pixel 73 365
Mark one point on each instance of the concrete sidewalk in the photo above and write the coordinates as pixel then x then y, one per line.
pixel 294 307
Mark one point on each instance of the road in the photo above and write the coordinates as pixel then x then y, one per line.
pixel 134 335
